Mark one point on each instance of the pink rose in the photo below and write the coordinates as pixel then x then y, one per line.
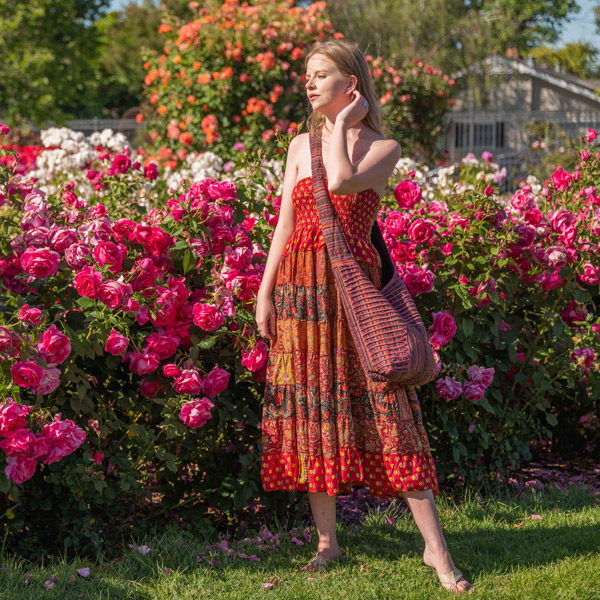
pixel 418 280
pixel 254 359
pixel 573 313
pixel 116 343
pixel 163 344
pixel 26 374
pixel 54 346
pixel 196 413
pixel 113 255
pixel 583 357
pixel 40 262
pixel 30 314
pixel 143 364
pixel 20 468
pixel 63 437
pixel 448 388
pixel 215 382
pixel 442 330
pixel 49 382
pixel 62 238
pixel 12 416
pixel 171 370
pixel 420 231
pixel 549 281
pixel 483 375
pixel 150 171
pixel 149 388
pixel 396 223
pixel 560 219
pixel 590 275
pixel 561 179
pixel 87 282
pixel 555 256
pixel 403 252
pixel 111 293
pixel 473 391
pixel 407 194
pixel 223 190
pixel 121 163
pixel 6 339
pixel 158 241
pixel 37 238
pixel 188 382
pixel 207 316
pixel 76 256
pixel 521 200
pixel 21 441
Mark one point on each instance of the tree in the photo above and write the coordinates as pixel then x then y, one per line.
pixel 578 58
pixel 47 59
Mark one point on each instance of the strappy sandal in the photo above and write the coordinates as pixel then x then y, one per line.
pixel 453 578
pixel 319 561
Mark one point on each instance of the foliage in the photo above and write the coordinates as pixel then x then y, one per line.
pixel 577 58
pixel 48 50
pixel 219 85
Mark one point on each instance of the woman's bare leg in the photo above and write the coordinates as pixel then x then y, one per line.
pixel 323 511
pixel 436 555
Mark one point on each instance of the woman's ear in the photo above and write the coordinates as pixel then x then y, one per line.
pixel 351 84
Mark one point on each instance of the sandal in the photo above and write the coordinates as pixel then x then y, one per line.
pixel 453 578
pixel 318 561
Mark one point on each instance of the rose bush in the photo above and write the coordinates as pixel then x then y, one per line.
pixel 234 76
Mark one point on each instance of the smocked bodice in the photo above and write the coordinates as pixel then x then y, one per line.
pixel 357 213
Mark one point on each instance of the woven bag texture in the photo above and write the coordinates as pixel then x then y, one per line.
pixel 386 327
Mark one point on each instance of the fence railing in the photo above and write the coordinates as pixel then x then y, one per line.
pixel 128 127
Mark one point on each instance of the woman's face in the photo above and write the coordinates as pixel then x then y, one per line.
pixel 326 86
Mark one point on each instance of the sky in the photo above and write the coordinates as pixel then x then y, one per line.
pixel 580 28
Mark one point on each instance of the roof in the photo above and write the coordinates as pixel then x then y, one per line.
pixel 498 65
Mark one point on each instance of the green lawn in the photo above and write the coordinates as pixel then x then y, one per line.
pixel 497 544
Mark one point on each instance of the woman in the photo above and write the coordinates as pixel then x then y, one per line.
pixel 325 426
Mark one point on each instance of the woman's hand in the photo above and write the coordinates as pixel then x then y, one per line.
pixel 265 317
pixel 356 111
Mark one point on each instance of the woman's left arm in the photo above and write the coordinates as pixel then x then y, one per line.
pixel 376 166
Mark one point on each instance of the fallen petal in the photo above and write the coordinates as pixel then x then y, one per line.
pixel 84 572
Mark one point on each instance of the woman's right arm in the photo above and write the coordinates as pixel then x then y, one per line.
pixel 286 224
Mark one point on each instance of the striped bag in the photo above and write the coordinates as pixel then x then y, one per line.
pixel 386 327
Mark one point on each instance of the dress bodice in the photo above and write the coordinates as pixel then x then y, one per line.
pixel 357 213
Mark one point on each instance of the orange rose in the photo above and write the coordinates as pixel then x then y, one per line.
pixel 185 139
pixel 164 28
pixel 162 109
pixel 191 99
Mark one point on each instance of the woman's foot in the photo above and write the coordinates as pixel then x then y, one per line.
pixel 322 560
pixel 441 561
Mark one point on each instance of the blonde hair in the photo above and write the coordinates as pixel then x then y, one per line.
pixel 349 60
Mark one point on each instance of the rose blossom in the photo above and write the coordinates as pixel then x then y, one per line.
pixel 188 382
pixel 49 382
pixel 63 437
pixel 215 382
pixel 396 223
pixel 76 256
pixel 54 346
pixel 223 190
pixel 62 238
pixel 27 373
pixel 30 314
pixel 19 468
pixel 164 344
pixel 143 364
pixel 40 262
pixel 196 413
pixel 87 282
pixel 158 241
pixel 207 316
pixel 111 293
pixel 442 330
pixel 254 359
pixel 448 388
pixel 407 193
pixel 150 171
pixel 555 256
pixel 418 280
pixel 113 255
pixel 473 391
pixel 12 416
pixel 420 231
pixel 21 441
pixel 590 274
pixel 116 343
pixel 483 375
pixel 121 163
pixel 561 179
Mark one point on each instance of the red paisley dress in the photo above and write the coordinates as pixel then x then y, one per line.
pixel 325 426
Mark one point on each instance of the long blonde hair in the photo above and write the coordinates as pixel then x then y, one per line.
pixel 349 60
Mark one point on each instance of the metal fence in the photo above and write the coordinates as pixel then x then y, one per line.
pixel 128 127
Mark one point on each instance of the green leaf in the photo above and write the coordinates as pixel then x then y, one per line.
pixel 467 326
pixel 552 420
pixel 207 342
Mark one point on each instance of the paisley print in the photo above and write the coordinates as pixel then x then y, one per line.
pixel 325 426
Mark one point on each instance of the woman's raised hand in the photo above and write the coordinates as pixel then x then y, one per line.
pixel 356 111
pixel 265 317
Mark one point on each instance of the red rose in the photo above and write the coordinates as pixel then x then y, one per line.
pixel 121 163
pixel 196 413
pixel 215 382
pixel 116 343
pixel 54 346
pixel 407 194
pixel 26 374
pixel 88 282
pixel 150 171
pixel 207 316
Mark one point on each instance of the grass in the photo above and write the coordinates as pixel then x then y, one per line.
pixel 499 547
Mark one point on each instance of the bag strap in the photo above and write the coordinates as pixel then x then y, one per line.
pixel 335 239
